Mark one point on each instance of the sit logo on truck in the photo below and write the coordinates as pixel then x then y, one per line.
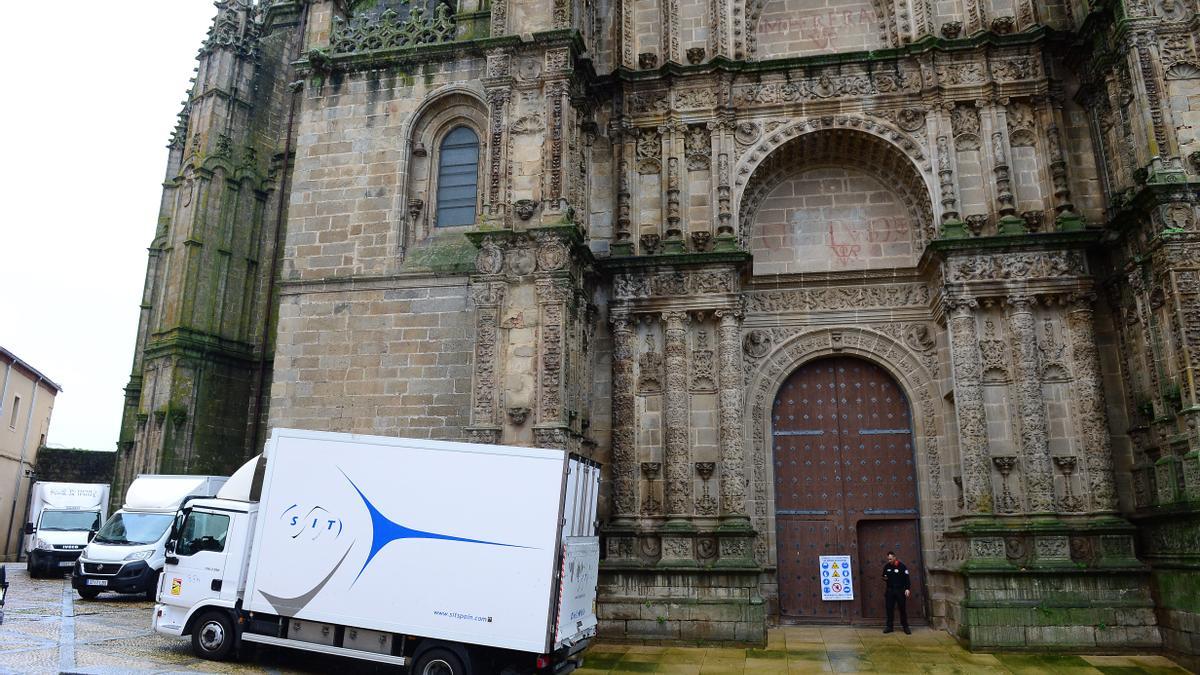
pixel 315 523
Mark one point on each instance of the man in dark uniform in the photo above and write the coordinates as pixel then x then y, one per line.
pixel 895 576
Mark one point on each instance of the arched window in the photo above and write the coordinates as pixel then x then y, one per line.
pixel 458 178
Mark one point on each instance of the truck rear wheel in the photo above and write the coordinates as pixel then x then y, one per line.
pixel 212 636
pixel 439 661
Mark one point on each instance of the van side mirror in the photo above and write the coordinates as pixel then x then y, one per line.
pixel 28 528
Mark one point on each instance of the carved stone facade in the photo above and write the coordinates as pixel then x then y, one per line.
pixel 1001 219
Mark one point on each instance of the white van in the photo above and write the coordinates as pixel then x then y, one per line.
pixel 127 554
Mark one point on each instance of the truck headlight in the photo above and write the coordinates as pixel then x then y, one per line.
pixel 42 544
pixel 140 555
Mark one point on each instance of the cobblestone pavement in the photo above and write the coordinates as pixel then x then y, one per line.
pixel 48 629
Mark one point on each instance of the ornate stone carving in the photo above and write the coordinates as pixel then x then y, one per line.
pixel 757 344
pixel 697 148
pixel 490 259
pixel 518 415
pixel 636 285
pixel 488 296
pixel 624 448
pixel 968 397
pixel 389 30
pixel 730 406
pixel 892 295
pixel 1088 389
pixel 649 151
pixel 1034 265
pixel 1007 503
pixel 525 208
pixel 994 355
pixel 647 60
pixel 650 365
pixel 675 418
pixel 1031 407
pixel 952 29
pixel 827 85
pixel 703 378
pixel 705 505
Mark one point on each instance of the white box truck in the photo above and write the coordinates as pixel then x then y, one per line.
pixel 450 558
pixel 62 518
pixel 127 554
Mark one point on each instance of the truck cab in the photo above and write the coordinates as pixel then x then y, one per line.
pixel 205 563
pixel 58 537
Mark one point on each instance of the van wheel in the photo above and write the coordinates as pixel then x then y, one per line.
pixel 212 636
pixel 439 661
pixel 31 567
pixel 152 589
pixel 88 593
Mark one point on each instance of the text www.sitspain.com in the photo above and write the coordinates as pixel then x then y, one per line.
pixel 459 615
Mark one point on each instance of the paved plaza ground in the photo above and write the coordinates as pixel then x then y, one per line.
pixel 48 629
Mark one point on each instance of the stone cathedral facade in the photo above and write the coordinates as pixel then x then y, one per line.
pixel 808 278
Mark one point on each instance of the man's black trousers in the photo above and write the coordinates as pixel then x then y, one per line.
pixel 895 598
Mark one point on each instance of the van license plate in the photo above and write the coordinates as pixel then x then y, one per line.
pixel 66 563
pixel 97 582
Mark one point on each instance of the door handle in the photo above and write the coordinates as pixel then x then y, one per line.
pixel 216 585
pixel 172 560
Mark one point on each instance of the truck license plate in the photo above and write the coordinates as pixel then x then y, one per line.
pixel 97 582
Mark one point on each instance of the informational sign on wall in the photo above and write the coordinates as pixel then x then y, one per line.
pixel 837 582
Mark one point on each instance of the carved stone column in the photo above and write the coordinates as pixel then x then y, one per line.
pixel 677 452
pixel 968 402
pixel 489 298
pixel 623 140
pixel 495 196
pixel 730 396
pixel 1031 407
pixel 553 174
pixel 1089 392
pixel 624 448
pixel 551 430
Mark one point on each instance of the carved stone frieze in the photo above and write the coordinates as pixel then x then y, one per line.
pixel 839 298
pixel 1012 266
pixel 639 285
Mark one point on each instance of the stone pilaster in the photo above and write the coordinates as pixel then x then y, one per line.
pixel 624 448
pixel 675 421
pixel 623 145
pixel 1089 392
pixel 730 396
pixel 553 293
pixel 495 197
pixel 554 173
pixel 489 299
pixel 1031 407
pixel 1006 199
pixel 968 401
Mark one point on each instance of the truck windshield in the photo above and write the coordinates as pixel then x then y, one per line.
pixel 134 528
pixel 69 520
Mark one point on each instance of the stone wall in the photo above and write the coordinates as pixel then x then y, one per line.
pixel 72 465
pixel 393 359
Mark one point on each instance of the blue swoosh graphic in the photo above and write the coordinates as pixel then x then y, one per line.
pixel 384 531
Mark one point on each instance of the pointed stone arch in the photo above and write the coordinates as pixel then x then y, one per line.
pixel 790 349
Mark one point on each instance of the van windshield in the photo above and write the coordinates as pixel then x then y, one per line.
pixel 71 521
pixel 134 528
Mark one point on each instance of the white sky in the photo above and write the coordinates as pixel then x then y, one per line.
pixel 89 100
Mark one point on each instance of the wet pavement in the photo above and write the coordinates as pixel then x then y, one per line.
pixel 48 629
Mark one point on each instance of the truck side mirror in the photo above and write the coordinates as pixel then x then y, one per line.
pixel 91 535
pixel 28 528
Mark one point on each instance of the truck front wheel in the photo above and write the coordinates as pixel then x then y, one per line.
pixel 212 636
pixel 439 661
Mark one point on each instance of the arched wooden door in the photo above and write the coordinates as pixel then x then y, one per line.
pixel 845 484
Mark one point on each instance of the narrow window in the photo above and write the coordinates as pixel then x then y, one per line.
pixel 12 422
pixel 458 178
